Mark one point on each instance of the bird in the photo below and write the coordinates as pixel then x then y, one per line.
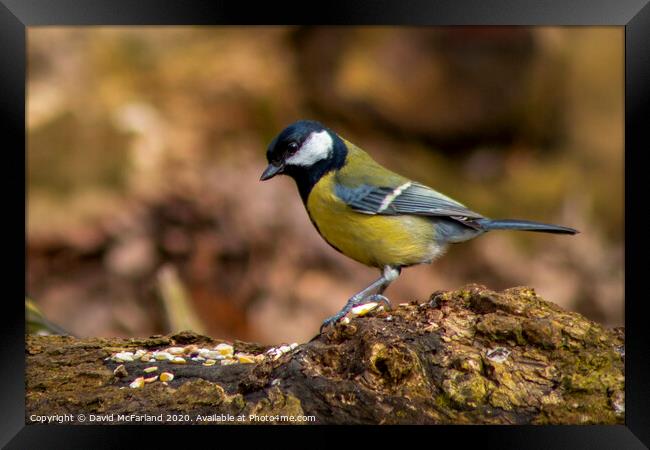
pixel 37 323
pixel 372 214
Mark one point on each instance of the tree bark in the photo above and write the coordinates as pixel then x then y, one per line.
pixel 466 356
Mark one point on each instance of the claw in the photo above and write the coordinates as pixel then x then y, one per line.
pixel 389 274
pixel 326 323
pixel 353 302
pixel 380 299
pixel 336 317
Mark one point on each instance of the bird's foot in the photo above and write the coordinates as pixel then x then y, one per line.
pixel 353 302
pixel 332 320
pixel 378 298
pixel 341 314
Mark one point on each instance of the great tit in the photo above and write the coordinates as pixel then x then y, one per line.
pixel 370 214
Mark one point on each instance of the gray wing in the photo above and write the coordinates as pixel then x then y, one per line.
pixel 408 198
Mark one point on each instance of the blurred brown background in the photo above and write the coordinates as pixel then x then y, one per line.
pixel 145 146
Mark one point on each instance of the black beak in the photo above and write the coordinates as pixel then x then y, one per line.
pixel 271 171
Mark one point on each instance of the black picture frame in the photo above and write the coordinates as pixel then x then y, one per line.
pixel 634 15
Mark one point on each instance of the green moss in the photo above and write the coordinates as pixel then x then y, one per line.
pixel 580 409
pixel 465 390
pixel 391 363
pixel 500 398
pixel 279 402
pixel 499 327
pixel 443 401
pixel 543 332
pixel 292 405
pixel 468 362
pixel 238 402
pixel 599 381
pixel 200 392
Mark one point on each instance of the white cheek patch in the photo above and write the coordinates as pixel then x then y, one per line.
pixel 317 146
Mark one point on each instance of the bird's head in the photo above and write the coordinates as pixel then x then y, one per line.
pixel 304 148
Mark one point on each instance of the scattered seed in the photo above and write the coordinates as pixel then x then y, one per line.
pixel 209 362
pixel 275 353
pixel 163 356
pixel 150 369
pixel 137 383
pixel 345 320
pixel 228 361
pixel 123 357
pixel 178 360
pixel 364 309
pixel 166 376
pixel 245 359
pixel 176 350
pixel 151 379
pixel 225 349
pixel 213 354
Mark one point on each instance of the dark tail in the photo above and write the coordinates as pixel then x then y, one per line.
pixel 524 225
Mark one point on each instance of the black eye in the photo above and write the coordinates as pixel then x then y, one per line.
pixel 293 147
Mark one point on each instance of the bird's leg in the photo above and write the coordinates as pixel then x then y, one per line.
pixel 389 274
pixel 378 297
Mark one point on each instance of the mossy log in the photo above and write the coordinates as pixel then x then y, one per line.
pixel 466 356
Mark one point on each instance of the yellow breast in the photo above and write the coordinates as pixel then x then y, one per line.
pixel 373 240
